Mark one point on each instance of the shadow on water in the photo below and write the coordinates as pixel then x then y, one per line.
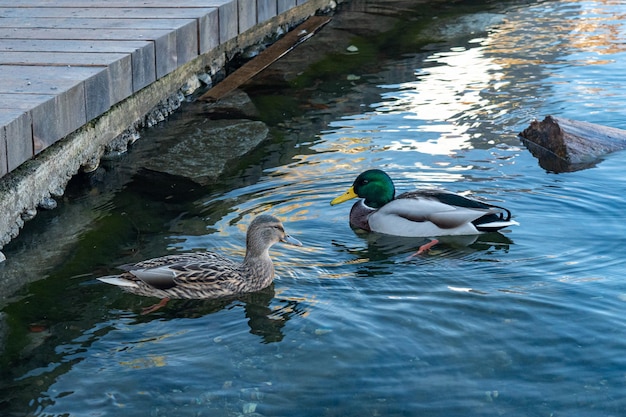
pixel 394 249
pixel 265 313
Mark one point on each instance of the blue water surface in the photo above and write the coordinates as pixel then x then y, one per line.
pixel 528 322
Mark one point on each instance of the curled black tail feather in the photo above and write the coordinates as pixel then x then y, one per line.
pixel 501 216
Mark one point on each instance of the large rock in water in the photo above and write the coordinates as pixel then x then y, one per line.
pixel 204 149
pixel 565 145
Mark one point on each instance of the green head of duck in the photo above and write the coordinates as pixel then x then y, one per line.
pixel 374 186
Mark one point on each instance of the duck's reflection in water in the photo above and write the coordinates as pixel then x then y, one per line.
pixel 266 314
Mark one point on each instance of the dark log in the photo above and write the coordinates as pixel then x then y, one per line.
pixel 274 52
pixel 564 145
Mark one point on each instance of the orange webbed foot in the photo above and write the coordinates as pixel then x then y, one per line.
pixel 155 307
pixel 424 248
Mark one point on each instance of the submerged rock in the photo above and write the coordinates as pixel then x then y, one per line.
pixel 235 103
pixel 218 141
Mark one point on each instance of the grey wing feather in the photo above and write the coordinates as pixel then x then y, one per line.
pixel 160 277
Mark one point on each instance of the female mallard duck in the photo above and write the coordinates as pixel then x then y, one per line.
pixel 207 274
pixel 423 213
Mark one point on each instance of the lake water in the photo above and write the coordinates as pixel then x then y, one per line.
pixel 528 322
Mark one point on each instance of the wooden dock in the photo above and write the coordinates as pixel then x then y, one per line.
pixel 64 63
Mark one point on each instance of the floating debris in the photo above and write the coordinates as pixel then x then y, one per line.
pixel 565 145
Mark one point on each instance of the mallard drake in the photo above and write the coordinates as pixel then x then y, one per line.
pixel 421 213
pixel 208 274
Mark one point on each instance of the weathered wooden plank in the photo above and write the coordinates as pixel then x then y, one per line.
pixel 23 102
pixel 5 118
pixel 132 12
pixel 16 136
pixel 59 117
pixel 565 145
pixel 144 68
pixel 186 29
pixel 16 133
pixel 4 165
pixel 187 43
pixel 228 21
pixel 284 5
pixel 42 80
pixel 91 23
pixel 71 45
pixel 246 11
pixel 207 19
pixel 142 54
pixel 83 59
pixel 266 9
pixel 99 94
pixel 55 118
pixel 115 82
pixel 114 3
pixel 67 34
pixel 265 58
pixel 164 40
pixel 209 31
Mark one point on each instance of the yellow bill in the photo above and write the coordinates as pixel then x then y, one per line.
pixel 348 195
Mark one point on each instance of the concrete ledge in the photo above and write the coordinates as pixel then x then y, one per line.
pixel 64 135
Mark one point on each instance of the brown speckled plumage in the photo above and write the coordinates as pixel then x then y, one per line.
pixel 208 274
